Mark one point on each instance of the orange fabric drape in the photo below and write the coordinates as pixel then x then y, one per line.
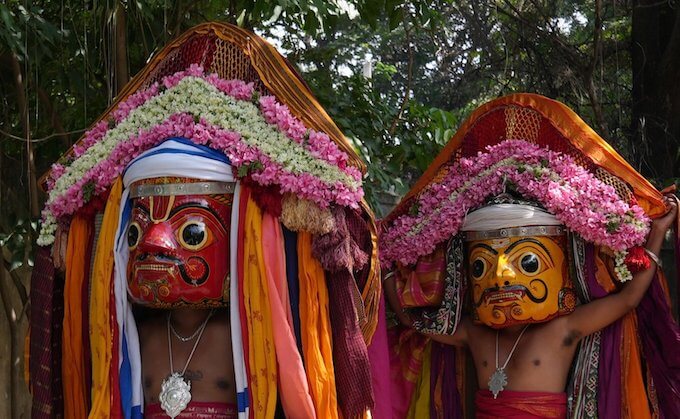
pixel 261 355
pixel 101 334
pixel 316 330
pixel 635 405
pixel 73 359
pixel 602 273
pixel 295 397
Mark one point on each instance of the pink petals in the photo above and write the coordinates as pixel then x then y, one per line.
pixel 578 199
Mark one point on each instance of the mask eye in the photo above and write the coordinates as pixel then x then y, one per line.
pixel 478 268
pixel 529 263
pixel 133 235
pixel 193 235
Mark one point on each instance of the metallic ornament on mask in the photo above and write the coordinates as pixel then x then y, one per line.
pixel 179 248
pixel 519 280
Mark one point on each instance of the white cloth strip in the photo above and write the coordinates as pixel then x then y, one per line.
pixel 494 217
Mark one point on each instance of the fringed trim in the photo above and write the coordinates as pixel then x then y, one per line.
pixel 303 215
pixel 337 250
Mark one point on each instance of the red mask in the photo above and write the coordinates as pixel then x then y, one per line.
pixel 179 250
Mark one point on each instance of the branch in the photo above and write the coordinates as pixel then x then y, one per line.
pixel 409 79
pixel 54 117
pixel 40 140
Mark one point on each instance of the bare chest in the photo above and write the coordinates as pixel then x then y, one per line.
pixel 209 371
pixel 539 362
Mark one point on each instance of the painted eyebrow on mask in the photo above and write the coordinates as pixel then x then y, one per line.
pixel 528 240
pixel 484 246
pixel 142 208
pixel 184 206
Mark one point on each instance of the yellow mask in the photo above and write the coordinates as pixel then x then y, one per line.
pixel 519 280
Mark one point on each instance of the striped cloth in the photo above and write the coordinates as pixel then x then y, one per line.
pixel 47 312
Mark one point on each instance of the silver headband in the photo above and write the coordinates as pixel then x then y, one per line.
pixel 174 189
pixel 504 233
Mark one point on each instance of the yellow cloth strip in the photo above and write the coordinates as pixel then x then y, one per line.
pixel 101 335
pixel 261 353
pixel 316 330
pixel 73 361
pixel 420 404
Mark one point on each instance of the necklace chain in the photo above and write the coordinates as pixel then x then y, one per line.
pixel 200 334
pixel 512 351
pixel 180 337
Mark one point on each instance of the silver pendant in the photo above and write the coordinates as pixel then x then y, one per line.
pixel 175 394
pixel 498 381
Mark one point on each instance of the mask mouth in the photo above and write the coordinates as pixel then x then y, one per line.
pixel 505 295
pixel 511 293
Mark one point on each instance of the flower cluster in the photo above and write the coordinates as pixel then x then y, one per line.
pixel 262 137
pixel 575 196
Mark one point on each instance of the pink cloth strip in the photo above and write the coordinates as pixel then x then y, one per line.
pixel 295 396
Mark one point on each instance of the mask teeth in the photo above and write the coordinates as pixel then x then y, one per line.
pixel 154 267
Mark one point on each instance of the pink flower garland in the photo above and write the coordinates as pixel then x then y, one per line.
pixel 104 173
pixel 318 143
pixel 304 185
pixel 577 198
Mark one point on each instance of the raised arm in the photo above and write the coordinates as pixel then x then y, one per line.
pixel 591 317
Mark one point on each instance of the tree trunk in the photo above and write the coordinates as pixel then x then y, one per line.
pixel 656 91
pixel 22 105
pixel 15 325
pixel 121 71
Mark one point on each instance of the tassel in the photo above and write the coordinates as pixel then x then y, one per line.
pixel 637 259
pixel 303 215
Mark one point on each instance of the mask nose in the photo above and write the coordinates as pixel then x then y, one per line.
pixel 504 271
pixel 158 238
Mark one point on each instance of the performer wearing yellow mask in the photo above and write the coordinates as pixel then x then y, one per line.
pixel 524 244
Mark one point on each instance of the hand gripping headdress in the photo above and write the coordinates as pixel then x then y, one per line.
pixel 528 208
pixel 215 179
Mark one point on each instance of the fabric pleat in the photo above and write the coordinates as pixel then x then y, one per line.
pixel 240 252
pixel 316 333
pixel 240 371
pixel 45 340
pixel 261 356
pixel 420 404
pixel 295 396
pixel 101 330
pixel 73 356
pixel 378 353
pixel 635 404
pixel 660 338
pixel 290 243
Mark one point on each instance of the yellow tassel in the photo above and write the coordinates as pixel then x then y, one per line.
pixel 303 215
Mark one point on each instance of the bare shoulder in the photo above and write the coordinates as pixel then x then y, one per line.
pixel 558 332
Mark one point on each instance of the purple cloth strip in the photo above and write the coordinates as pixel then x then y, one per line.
pixel 443 362
pixel 609 383
pixel 609 375
pixel 660 338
